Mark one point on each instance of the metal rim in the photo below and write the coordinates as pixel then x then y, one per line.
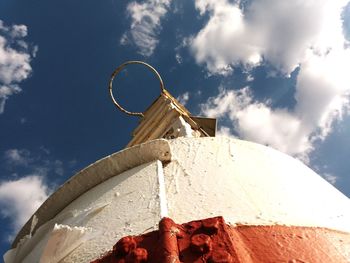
pixel 118 70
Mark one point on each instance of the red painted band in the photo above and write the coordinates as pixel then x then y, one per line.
pixel 211 240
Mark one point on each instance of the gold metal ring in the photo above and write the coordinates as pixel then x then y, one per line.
pixel 119 69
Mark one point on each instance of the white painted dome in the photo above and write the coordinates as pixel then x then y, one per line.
pixel 186 179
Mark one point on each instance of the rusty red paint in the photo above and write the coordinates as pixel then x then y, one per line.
pixel 211 225
pixel 124 246
pixel 201 243
pixel 138 255
pixel 211 240
pixel 220 256
pixel 167 250
pixel 291 244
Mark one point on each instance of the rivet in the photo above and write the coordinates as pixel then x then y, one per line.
pixel 124 246
pixel 138 255
pixel 220 256
pixel 201 243
pixel 211 225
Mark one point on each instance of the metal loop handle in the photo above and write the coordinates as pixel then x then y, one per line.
pixel 119 69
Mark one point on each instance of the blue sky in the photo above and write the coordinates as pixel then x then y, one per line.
pixel 274 72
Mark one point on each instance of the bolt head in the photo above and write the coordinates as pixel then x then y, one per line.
pixel 201 243
pixel 124 246
pixel 211 225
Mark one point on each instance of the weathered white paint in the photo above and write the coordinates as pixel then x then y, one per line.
pixel 63 240
pixel 127 204
pixel 180 128
pixel 245 182
pixel 249 183
pixel 134 208
pixel 30 248
pixel 162 194
pixel 93 175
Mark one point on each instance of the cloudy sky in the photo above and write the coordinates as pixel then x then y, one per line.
pixel 276 72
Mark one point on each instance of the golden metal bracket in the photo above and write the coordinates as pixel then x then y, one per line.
pixel 118 70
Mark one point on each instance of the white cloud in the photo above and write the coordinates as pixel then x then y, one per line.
pixel 331 178
pixel 39 164
pixel 15 60
pixel 18 31
pixel 250 78
pixel 183 98
pixel 35 51
pixel 257 122
pixel 225 131
pixel 292 132
pixel 146 24
pixel 280 32
pixel 18 156
pixel 287 34
pixel 19 199
pixel 5 93
pixel 58 167
pixel 222 43
pixel 21 196
pixel 178 58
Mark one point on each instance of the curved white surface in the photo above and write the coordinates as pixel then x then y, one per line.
pixel 93 175
pixel 245 182
pixel 127 204
pixel 249 183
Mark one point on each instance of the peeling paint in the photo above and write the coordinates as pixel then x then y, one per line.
pixel 93 175
pixel 33 224
pixel 30 248
pixel 63 240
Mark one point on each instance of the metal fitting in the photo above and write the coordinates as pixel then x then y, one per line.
pixel 201 243
pixel 211 225
pixel 124 246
